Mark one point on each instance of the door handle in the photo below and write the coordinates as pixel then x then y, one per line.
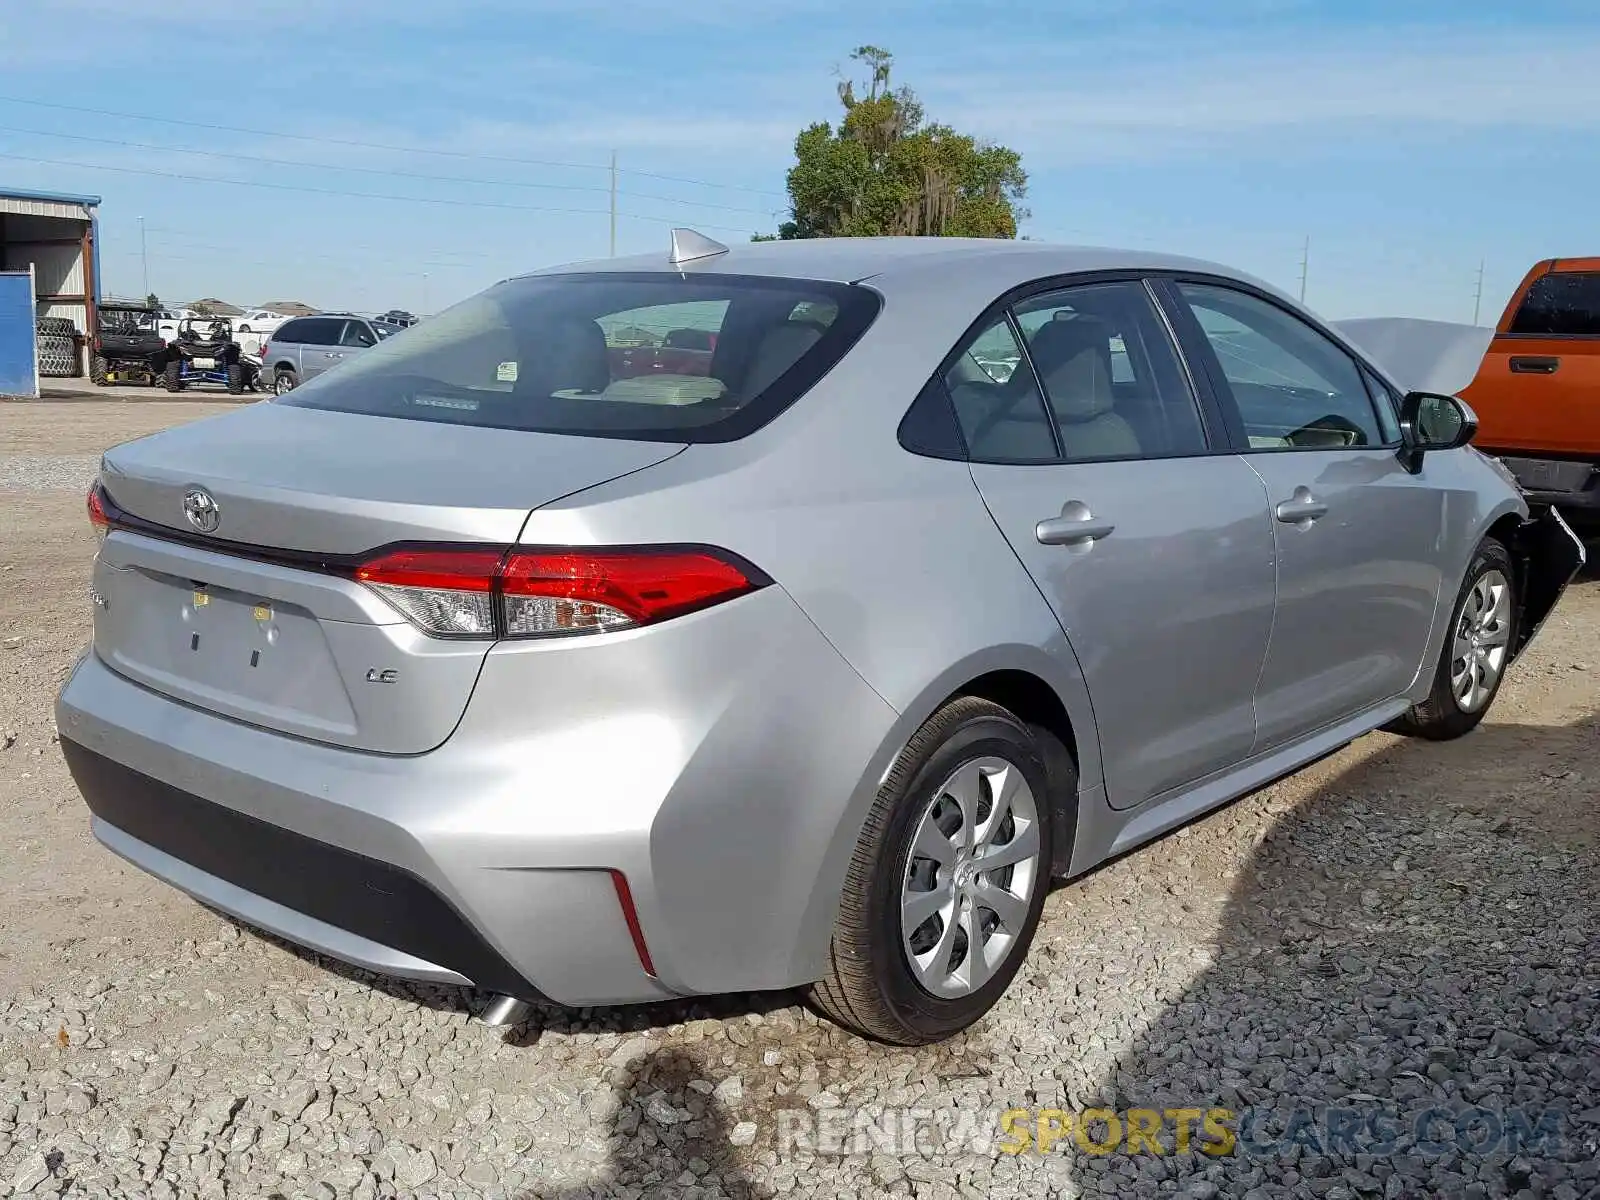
pixel 1075 526
pixel 1300 509
pixel 1534 365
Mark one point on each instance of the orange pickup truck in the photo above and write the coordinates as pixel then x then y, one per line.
pixel 1537 390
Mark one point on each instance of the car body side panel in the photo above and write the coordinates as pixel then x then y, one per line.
pixel 1169 614
pixel 1357 588
pixel 1476 499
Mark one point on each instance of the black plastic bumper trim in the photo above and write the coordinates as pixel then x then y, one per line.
pixel 372 899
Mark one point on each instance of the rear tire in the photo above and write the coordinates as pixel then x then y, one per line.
pixel 235 379
pixel 283 382
pixel 973 775
pixel 97 371
pixel 1476 651
pixel 173 376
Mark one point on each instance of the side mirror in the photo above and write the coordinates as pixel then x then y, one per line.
pixel 1431 421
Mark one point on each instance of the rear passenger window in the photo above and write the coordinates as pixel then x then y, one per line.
pixel 997 400
pixel 1560 304
pixel 314 331
pixel 1110 374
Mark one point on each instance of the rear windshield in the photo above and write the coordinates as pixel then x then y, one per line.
pixel 1561 304
pixel 660 357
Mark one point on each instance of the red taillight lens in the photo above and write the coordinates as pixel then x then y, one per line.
pixel 448 593
pixel 565 591
pixel 496 592
pixel 97 511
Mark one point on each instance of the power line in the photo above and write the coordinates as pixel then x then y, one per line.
pixel 289 162
pixel 327 141
pixel 316 191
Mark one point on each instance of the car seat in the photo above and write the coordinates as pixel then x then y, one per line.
pixel 1073 358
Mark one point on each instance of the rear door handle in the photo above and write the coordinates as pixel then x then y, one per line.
pixel 1075 526
pixel 1300 509
pixel 1534 365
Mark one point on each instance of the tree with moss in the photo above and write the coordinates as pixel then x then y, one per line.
pixel 887 170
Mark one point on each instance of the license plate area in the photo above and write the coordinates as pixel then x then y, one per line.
pixel 231 651
pixel 204 364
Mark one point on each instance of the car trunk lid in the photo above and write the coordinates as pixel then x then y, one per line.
pixel 259 617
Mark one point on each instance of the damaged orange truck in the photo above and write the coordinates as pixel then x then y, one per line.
pixel 1537 388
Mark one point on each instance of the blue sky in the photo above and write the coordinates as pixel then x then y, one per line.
pixel 1409 140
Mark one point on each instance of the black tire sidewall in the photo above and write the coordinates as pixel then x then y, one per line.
pixel 927 1015
pixel 288 375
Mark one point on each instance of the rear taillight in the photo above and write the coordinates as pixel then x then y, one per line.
pixel 493 593
pixel 262 353
pixel 448 593
pixel 97 511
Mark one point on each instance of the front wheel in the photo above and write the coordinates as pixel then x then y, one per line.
pixel 1477 649
pixel 97 371
pixel 174 375
pixel 283 383
pixel 947 882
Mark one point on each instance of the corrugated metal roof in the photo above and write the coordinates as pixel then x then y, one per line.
pixel 53 197
pixel 19 202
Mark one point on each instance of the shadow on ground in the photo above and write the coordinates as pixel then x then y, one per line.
pixel 1406 984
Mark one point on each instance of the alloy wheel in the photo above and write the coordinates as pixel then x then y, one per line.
pixel 1482 641
pixel 970 877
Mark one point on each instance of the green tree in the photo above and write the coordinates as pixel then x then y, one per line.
pixel 887 170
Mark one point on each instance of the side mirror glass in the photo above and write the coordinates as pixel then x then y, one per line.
pixel 1436 422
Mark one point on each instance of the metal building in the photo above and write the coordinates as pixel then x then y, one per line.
pixel 58 236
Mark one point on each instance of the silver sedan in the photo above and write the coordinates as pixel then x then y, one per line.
pixel 781 616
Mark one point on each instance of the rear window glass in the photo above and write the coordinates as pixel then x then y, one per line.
pixel 1561 304
pixel 659 357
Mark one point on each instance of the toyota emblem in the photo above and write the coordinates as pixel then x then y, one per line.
pixel 201 510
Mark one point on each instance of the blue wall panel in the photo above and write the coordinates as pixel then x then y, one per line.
pixel 17 345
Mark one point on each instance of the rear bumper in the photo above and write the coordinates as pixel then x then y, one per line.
pixel 719 763
pixel 358 909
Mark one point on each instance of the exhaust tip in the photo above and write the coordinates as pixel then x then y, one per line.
pixel 502 1011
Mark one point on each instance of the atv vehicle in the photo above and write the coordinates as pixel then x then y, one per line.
pixel 205 352
pixel 127 346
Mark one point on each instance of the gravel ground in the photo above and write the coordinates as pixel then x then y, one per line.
pixel 1402 930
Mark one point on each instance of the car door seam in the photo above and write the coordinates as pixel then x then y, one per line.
pixel 1272 625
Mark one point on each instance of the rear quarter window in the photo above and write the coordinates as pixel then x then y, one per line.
pixel 650 356
pixel 1560 304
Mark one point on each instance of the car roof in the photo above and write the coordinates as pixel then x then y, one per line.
pixel 1003 263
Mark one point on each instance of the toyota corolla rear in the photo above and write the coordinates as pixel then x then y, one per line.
pixel 333 692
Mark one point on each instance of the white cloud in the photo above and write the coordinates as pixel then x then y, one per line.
pixel 1248 97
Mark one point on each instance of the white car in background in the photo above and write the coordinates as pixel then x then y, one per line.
pixel 258 320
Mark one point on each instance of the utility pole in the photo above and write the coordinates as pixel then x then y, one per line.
pixel 613 204
pixel 424 294
pixel 1477 295
pixel 144 258
pixel 1305 268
